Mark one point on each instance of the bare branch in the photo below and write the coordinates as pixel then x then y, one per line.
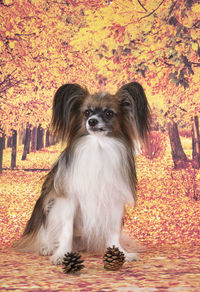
pixel 11 83
pixel 153 10
pixel 168 64
pixel 7 77
pixel 184 110
pixel 142 5
pixel 8 82
pixel 6 5
pixel 195 64
pixel 172 7
pixel 25 34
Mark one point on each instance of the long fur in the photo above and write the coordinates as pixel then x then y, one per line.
pixel 82 201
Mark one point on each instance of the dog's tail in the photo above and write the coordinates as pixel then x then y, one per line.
pixel 30 238
pixel 28 243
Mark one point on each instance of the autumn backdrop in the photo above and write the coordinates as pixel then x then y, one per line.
pixel 103 45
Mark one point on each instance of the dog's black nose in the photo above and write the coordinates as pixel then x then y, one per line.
pixel 93 122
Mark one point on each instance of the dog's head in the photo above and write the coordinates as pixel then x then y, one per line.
pixel 77 113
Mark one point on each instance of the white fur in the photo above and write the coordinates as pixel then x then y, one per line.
pixel 96 187
pixel 56 236
pixel 137 147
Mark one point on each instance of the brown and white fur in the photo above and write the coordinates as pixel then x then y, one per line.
pixel 82 201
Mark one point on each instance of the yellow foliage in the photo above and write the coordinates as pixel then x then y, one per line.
pixel 12 45
pixel 51 43
pixel 1 44
pixel 196 8
pixel 195 46
pixel 194 34
pixel 8 2
pixel 11 90
pixel 188 21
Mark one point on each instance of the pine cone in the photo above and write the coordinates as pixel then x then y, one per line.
pixel 72 262
pixel 113 258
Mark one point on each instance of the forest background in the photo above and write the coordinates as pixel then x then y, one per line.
pixel 103 45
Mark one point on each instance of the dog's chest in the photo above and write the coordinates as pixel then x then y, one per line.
pixel 97 179
pixel 97 167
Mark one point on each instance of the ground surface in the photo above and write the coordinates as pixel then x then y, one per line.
pixel 166 221
pixel 157 270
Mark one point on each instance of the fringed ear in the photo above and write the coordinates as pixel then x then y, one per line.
pixel 66 103
pixel 134 102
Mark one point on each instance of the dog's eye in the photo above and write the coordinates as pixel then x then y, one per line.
pixel 109 114
pixel 88 112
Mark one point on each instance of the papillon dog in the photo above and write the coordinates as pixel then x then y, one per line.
pixel 83 197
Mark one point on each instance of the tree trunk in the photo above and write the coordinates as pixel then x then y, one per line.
pixel 195 144
pixel 178 155
pixel 2 142
pixel 34 140
pixel 29 139
pixel 26 142
pixel 47 144
pixel 9 142
pixel 14 150
pixel 40 137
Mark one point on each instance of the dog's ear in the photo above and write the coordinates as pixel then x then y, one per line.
pixel 134 103
pixel 66 104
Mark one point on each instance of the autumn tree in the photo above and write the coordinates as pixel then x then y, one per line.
pixel 196 143
pixel 100 44
pixel 155 43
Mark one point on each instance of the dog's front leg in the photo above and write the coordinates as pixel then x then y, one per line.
pixel 115 231
pixel 62 217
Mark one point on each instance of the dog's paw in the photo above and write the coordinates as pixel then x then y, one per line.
pixel 57 259
pixel 131 257
pixel 45 251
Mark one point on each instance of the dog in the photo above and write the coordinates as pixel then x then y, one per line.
pixel 83 197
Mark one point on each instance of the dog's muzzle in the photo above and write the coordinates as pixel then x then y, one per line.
pixel 95 125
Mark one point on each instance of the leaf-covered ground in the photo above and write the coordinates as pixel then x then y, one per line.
pixel 166 221
pixel 157 270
